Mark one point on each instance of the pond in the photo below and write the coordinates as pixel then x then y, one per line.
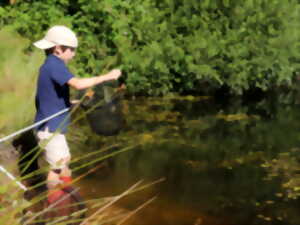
pixel 223 162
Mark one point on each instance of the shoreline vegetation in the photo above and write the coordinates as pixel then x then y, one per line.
pixel 18 74
pixel 173 46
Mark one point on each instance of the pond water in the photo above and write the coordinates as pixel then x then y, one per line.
pixel 224 163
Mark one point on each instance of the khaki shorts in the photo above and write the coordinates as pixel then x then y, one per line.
pixel 57 152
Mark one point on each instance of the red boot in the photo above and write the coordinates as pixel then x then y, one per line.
pixel 66 179
pixel 55 195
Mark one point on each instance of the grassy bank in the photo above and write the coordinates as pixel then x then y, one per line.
pixel 18 72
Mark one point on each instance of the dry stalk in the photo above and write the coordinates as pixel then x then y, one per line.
pixel 115 199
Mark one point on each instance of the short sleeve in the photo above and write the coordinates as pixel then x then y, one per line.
pixel 61 75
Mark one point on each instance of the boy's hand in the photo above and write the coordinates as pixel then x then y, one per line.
pixel 114 74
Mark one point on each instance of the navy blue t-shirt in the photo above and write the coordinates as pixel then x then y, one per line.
pixel 53 94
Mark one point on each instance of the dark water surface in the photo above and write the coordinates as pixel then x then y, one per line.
pixel 224 163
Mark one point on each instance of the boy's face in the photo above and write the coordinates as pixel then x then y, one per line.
pixel 65 54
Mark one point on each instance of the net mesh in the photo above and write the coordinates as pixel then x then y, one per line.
pixel 104 109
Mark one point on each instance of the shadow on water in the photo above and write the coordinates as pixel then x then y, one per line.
pixel 224 164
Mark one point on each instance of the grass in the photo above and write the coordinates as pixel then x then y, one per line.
pixel 18 73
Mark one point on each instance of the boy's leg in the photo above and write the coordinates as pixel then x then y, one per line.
pixel 53 179
pixel 57 154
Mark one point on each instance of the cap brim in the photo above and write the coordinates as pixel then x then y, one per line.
pixel 44 44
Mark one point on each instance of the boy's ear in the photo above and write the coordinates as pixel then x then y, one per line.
pixel 57 50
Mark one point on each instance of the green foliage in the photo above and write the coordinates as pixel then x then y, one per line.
pixel 174 46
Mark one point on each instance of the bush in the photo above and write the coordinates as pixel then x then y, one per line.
pixel 175 46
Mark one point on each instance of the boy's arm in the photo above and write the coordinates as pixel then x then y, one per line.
pixel 83 83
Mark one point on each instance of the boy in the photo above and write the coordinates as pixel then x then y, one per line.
pixel 52 96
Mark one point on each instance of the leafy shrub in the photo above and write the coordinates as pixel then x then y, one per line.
pixel 175 46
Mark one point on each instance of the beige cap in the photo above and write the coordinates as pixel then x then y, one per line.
pixel 58 35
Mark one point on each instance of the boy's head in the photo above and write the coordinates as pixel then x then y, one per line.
pixel 60 41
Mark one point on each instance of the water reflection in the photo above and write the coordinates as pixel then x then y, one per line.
pixel 224 164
